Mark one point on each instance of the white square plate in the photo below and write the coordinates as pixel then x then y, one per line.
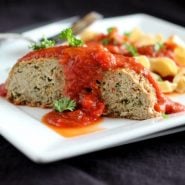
pixel 22 126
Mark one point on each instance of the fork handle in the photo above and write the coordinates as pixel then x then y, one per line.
pixel 79 25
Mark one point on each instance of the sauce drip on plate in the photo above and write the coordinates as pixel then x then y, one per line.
pixel 72 124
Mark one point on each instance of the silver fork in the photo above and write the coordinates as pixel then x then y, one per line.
pixel 77 27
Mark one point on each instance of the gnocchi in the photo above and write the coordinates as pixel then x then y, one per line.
pixel 180 55
pixel 164 66
pixel 166 86
pixel 143 60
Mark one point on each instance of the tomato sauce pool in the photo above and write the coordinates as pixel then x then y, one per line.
pixel 72 124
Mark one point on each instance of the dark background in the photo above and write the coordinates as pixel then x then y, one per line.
pixel 157 161
pixel 20 13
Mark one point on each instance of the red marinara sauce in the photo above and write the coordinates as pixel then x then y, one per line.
pixel 54 52
pixel 166 51
pixel 74 119
pixel 3 90
pixel 83 69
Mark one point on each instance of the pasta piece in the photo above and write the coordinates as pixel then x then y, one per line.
pixel 148 39
pixel 164 66
pixel 166 86
pixel 174 39
pixel 158 38
pixel 180 81
pixel 143 60
pixel 156 76
pixel 135 35
pixel 141 39
pixel 180 55
pixel 181 85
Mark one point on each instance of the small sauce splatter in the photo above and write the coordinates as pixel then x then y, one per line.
pixel 3 90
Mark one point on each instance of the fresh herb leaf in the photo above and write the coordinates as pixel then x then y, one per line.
pixel 165 116
pixel 127 34
pixel 131 49
pixel 109 30
pixel 44 43
pixel 64 104
pixel 105 41
pixel 68 35
pixel 158 46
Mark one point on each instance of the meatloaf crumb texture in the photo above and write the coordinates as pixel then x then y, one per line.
pixel 39 82
pixel 128 94
pixel 36 82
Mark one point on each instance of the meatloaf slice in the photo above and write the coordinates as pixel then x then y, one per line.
pixel 128 94
pixel 36 82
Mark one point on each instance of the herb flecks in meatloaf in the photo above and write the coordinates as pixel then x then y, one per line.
pixel 36 82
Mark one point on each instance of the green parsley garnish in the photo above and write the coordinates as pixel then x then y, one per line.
pixel 165 116
pixel 68 35
pixel 158 46
pixel 105 41
pixel 64 104
pixel 109 30
pixel 44 43
pixel 131 49
pixel 127 34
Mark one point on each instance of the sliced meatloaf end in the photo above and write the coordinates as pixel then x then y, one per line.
pixel 36 82
pixel 128 94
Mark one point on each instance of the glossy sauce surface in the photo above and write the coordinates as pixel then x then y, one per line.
pixel 71 124
pixel 73 119
pixel 166 51
pixel 54 52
